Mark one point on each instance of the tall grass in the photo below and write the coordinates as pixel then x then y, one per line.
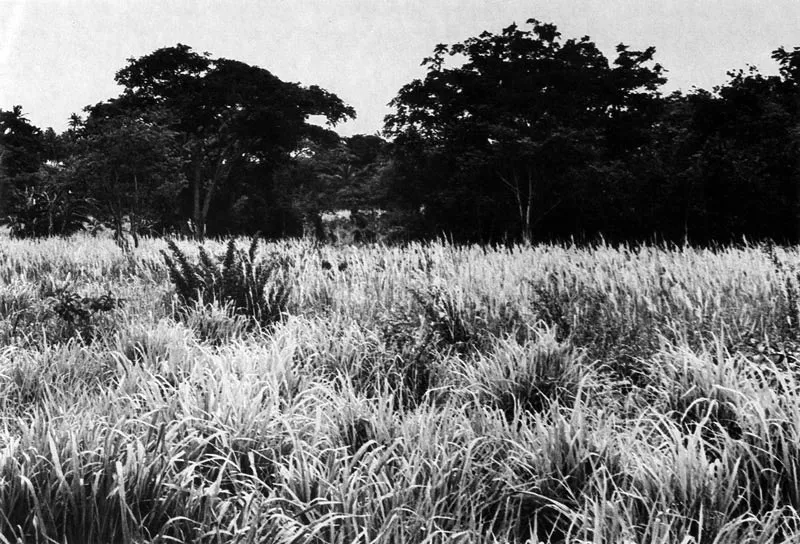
pixel 430 393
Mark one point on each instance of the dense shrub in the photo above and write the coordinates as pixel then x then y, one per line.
pixel 43 213
pixel 257 289
pixel 55 313
pixel 80 316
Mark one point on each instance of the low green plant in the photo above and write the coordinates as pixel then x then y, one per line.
pixel 258 289
pixel 789 302
pixel 411 348
pixel 429 393
pixel 77 316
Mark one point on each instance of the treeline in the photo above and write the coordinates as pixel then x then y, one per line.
pixel 519 135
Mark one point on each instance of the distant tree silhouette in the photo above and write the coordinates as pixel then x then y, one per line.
pixel 230 117
pixel 21 155
pixel 515 130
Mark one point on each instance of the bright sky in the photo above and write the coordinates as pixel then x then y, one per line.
pixel 57 56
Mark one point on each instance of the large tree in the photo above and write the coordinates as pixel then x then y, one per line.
pixel 516 122
pixel 229 115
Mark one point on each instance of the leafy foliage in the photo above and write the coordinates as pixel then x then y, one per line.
pixel 231 117
pixel 129 168
pixel 519 134
pixel 56 313
pixel 80 315
pixel 257 289
pixel 517 125
pixel 43 213
pixel 21 155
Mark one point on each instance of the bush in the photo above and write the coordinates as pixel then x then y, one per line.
pixel 54 313
pixel 43 213
pixel 260 290
pixel 80 316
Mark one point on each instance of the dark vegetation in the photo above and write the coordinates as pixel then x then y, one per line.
pixel 519 135
pixel 258 290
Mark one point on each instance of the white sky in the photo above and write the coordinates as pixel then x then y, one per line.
pixel 57 56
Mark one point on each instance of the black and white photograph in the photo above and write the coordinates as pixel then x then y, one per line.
pixel 400 272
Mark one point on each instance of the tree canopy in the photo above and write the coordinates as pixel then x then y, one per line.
pixel 518 135
pixel 228 116
pixel 21 152
pixel 522 115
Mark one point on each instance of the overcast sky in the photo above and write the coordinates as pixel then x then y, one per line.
pixel 57 56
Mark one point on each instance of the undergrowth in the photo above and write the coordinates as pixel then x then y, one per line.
pixel 371 394
pixel 257 289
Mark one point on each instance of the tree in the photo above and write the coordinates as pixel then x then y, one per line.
pixel 47 206
pixel 789 62
pixel 3 154
pixel 130 168
pixel 228 115
pixel 522 118
pixel 724 163
pixel 345 174
pixel 337 174
pixel 21 152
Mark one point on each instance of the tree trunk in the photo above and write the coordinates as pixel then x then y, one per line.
pixel 199 223
pixel 135 212
pixel 51 204
pixel 524 204
pixel 2 184
pixel 797 179
pixel 207 201
pixel 528 233
pixel 796 138
pixel 202 205
pixel 117 212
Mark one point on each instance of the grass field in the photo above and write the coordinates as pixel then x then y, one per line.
pixel 422 394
